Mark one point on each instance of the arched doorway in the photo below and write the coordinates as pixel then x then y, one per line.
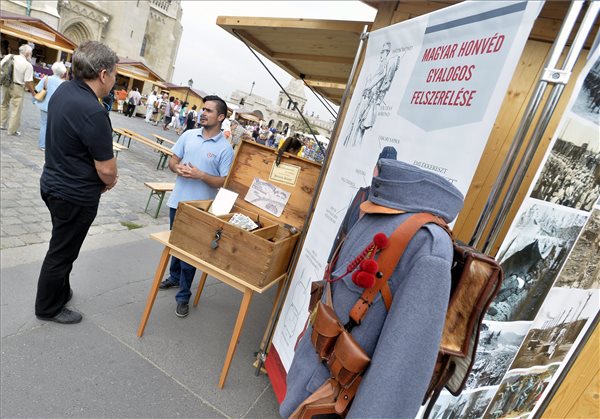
pixel 279 125
pixel 271 122
pixel 285 128
pixel 78 32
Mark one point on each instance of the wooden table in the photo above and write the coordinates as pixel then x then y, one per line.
pixel 207 269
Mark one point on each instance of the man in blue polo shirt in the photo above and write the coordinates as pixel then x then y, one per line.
pixel 201 159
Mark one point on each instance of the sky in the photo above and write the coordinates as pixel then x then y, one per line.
pixel 219 63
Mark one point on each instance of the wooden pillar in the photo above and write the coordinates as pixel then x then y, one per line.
pixel 130 84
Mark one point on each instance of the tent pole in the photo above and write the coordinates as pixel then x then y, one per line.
pixel 268 337
pixel 561 78
pixel 526 121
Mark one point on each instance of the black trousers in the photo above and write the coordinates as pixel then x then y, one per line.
pixel 70 224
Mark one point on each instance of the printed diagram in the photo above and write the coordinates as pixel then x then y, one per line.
pixel 267 196
pixel 290 320
pixel 376 87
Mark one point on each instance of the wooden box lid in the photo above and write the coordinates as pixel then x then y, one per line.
pixel 294 174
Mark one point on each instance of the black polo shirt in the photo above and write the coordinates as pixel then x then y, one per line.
pixel 78 132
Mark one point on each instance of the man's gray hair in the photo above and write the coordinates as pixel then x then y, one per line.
pixel 90 58
pixel 25 49
pixel 59 69
pixel 234 122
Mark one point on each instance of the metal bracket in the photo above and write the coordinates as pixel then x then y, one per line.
pixel 364 36
pixel 552 75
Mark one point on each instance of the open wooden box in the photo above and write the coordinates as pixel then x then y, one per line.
pixel 260 256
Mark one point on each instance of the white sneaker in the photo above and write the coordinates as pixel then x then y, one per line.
pixel 16 133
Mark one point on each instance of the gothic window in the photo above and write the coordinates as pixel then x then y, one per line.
pixel 143 48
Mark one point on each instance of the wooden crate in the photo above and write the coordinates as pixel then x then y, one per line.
pixel 263 255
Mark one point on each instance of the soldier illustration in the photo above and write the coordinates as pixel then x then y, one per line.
pixel 376 87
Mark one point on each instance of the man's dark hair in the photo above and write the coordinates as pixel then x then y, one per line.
pixel 194 107
pixel 221 105
pixel 171 99
pixel 90 58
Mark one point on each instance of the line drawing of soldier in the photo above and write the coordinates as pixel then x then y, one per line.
pixel 376 87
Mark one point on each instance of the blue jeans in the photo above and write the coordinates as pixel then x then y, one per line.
pixel 43 123
pixel 180 272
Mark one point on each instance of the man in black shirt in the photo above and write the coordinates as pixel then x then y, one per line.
pixel 80 166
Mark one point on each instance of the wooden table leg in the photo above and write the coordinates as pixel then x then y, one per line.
pixel 160 271
pixel 200 288
pixel 239 323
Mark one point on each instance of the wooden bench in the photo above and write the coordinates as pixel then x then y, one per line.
pixel 164 151
pixel 119 133
pixel 118 147
pixel 158 189
pixel 160 139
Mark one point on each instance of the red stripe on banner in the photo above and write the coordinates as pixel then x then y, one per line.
pixel 276 373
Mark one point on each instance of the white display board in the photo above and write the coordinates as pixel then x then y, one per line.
pixel 431 87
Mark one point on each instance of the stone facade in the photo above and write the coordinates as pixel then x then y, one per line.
pixel 143 30
pixel 281 114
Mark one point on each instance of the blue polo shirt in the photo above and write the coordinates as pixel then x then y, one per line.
pixel 211 155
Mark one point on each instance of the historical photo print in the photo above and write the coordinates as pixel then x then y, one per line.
pixel 532 254
pixel 557 326
pixel 571 175
pixel 582 269
pixel 469 405
pixel 519 392
pixel 587 104
pixel 497 347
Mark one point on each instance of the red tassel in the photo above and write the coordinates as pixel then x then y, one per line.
pixel 363 279
pixel 369 266
pixel 381 241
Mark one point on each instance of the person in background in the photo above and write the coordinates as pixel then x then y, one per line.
pixel 262 139
pixel 181 118
pixel 79 168
pixel 162 104
pixel 236 133
pixel 176 115
pixel 291 145
pixel 12 101
pixel 169 109
pixel 150 106
pixel 133 100
pixel 108 100
pixel 201 159
pixel 50 83
pixel 190 119
pixel 121 95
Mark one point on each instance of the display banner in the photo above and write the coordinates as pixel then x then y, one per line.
pixel 430 87
pixel 550 296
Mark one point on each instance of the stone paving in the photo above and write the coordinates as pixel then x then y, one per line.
pixel 25 219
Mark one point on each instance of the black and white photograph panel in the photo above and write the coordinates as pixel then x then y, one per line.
pixel 498 344
pixel 582 269
pixel 587 104
pixel 469 405
pixel 519 392
pixel 571 174
pixel 532 254
pixel 557 326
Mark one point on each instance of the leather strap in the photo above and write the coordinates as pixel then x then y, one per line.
pixel 388 259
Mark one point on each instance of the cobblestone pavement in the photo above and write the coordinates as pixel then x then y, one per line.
pixel 24 217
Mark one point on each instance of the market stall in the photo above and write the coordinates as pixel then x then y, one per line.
pixel 288 42
pixel 50 45
pixel 136 74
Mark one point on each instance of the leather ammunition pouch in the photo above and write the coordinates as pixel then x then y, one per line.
pixel 325 332
pixel 347 361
